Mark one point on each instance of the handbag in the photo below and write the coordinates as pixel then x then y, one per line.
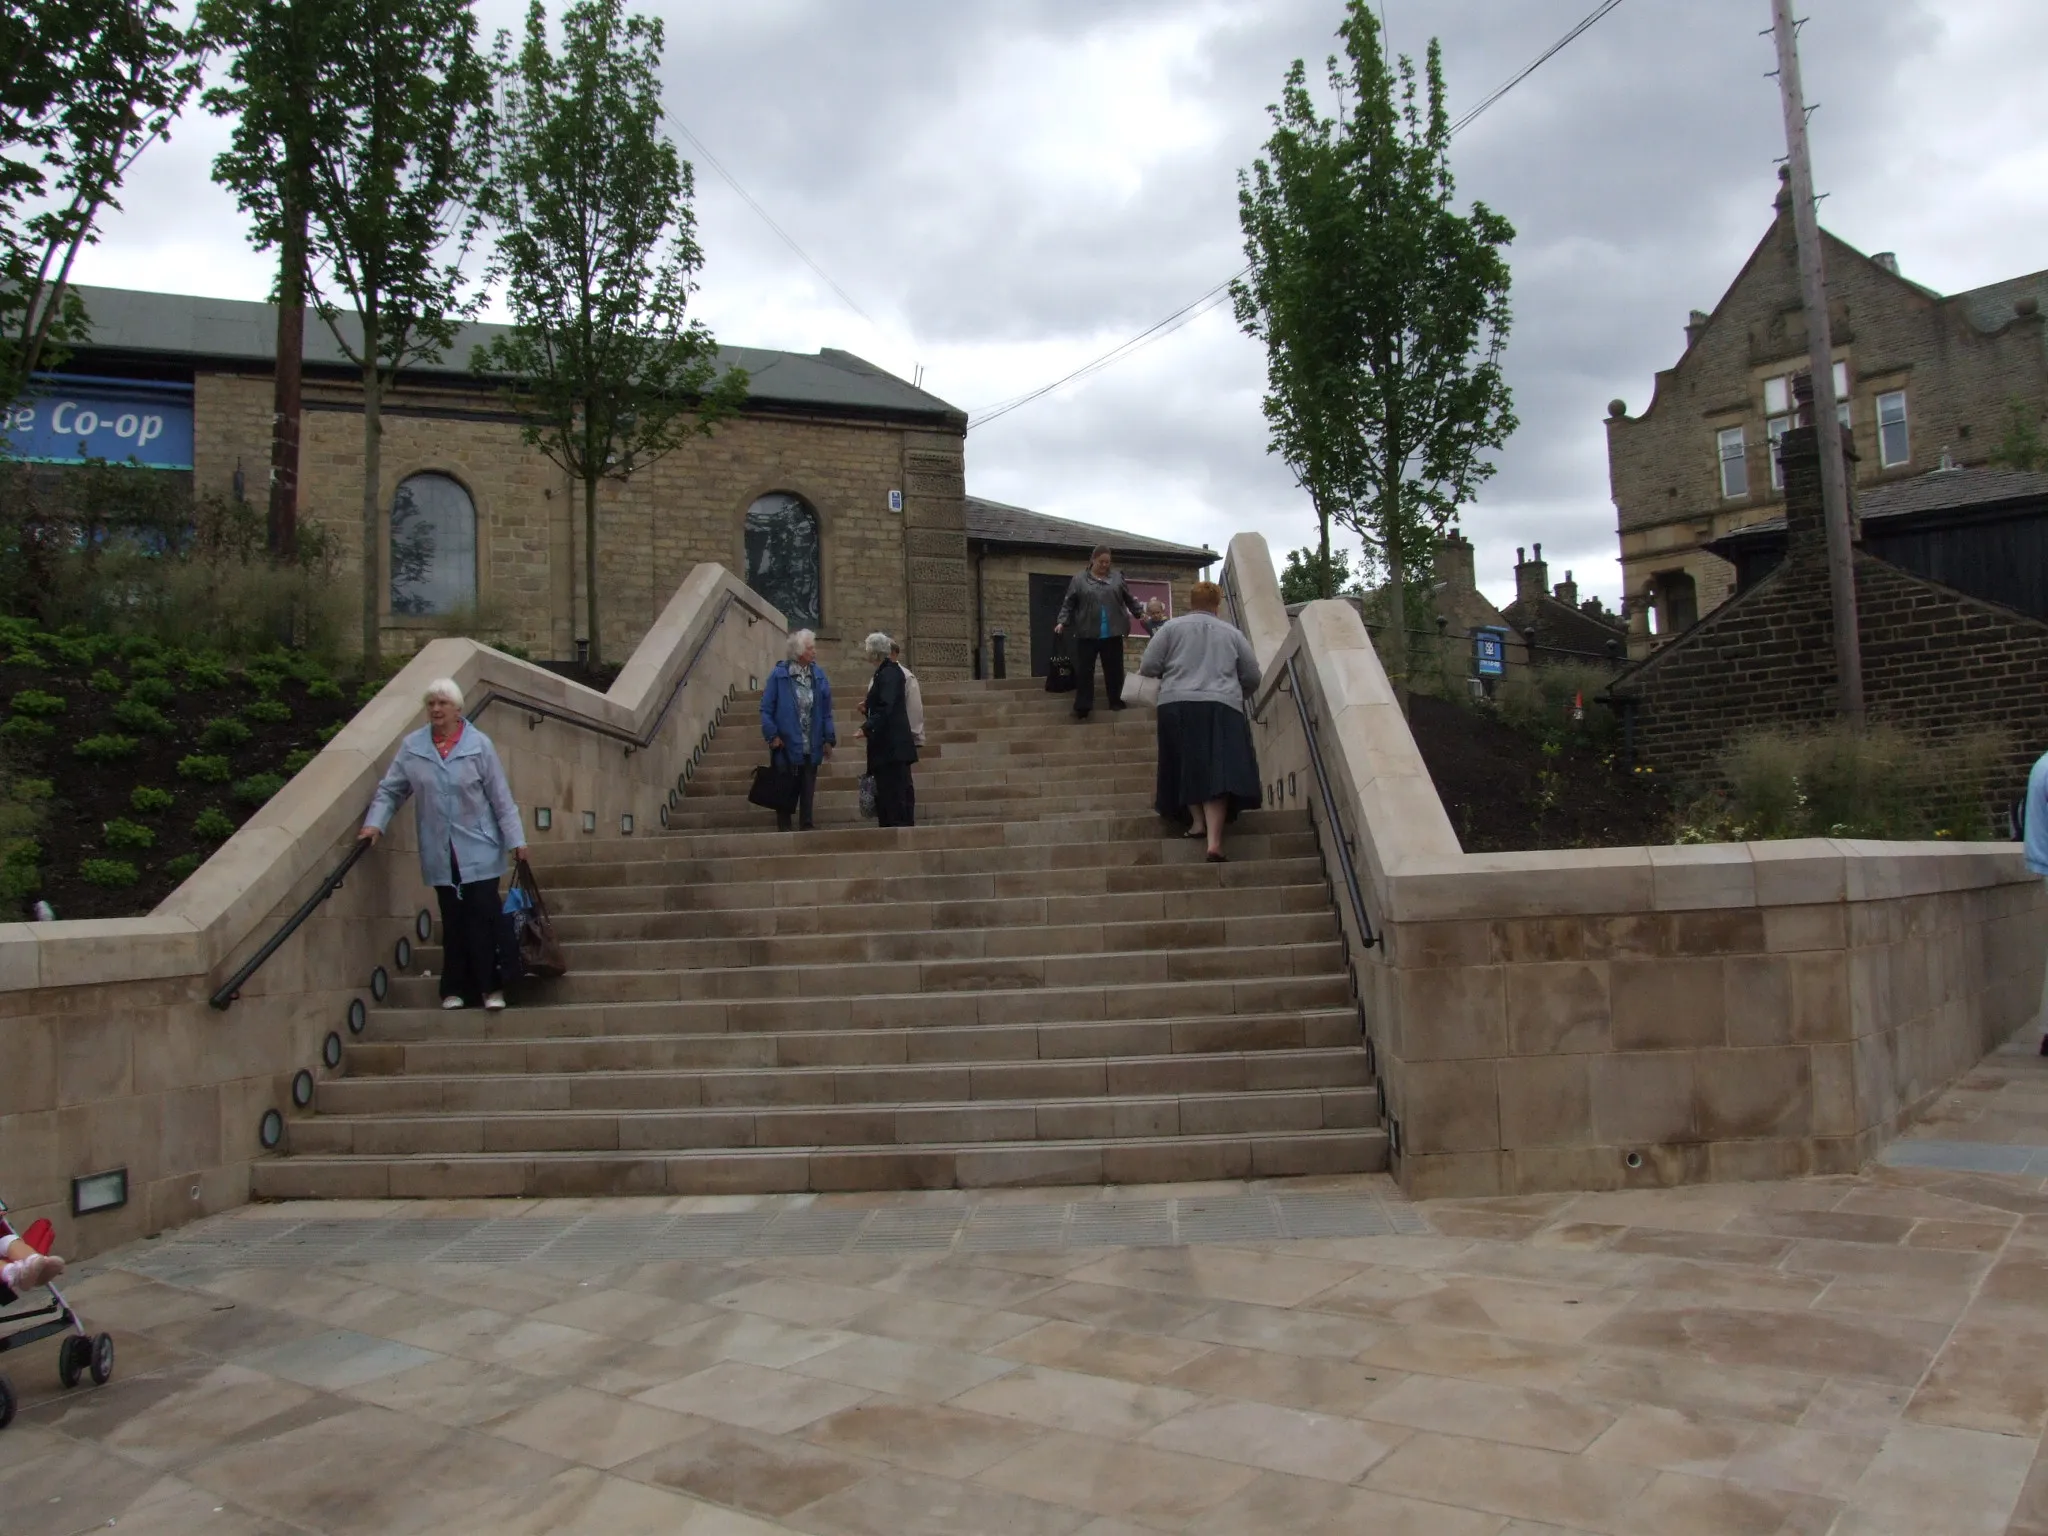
pixel 511 922
pixel 777 786
pixel 867 795
pixel 1059 673
pixel 1140 689
pixel 540 952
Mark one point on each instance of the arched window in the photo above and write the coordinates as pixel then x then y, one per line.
pixel 783 556
pixel 433 547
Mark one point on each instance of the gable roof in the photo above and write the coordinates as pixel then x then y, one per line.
pixel 1937 491
pixel 1561 627
pixel 184 329
pixel 997 522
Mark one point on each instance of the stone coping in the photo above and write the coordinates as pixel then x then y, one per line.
pixel 1417 870
pixel 301 830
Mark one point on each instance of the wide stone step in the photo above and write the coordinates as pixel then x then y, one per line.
pixel 1116 1000
pixel 947 944
pixel 842 809
pixel 1134 1160
pixel 1278 1033
pixel 946 776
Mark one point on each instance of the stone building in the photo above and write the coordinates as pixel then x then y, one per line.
pixel 839 491
pixel 1559 626
pixel 1921 377
pixel 1937 661
pixel 1023 560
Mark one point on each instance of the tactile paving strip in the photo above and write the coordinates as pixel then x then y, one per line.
pixel 610 1240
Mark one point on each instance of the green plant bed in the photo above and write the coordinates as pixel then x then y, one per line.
pixel 108 763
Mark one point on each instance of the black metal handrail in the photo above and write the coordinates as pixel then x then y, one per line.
pixel 1368 935
pixel 231 989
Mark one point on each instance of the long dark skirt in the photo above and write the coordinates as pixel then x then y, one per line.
pixel 1205 753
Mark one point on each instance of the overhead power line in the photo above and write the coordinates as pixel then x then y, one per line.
pixel 1211 299
pixel 784 235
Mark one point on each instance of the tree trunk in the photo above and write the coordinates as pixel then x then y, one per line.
pixel 1397 592
pixel 590 566
pixel 1325 585
pixel 373 474
pixel 291 348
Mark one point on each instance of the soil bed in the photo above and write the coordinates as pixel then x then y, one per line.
pixel 1506 790
pixel 85 796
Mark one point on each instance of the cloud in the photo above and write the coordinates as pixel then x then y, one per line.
pixel 1011 190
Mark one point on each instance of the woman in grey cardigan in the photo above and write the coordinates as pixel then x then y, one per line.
pixel 468 823
pixel 1208 771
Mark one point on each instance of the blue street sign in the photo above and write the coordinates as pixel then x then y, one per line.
pixel 68 420
pixel 1490 648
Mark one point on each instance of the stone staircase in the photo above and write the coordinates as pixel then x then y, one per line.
pixel 1036 985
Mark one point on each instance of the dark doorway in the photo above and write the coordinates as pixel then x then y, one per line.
pixel 1047 593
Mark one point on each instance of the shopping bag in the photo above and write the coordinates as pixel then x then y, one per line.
pixel 540 952
pixel 1059 673
pixel 867 795
pixel 777 786
pixel 1140 689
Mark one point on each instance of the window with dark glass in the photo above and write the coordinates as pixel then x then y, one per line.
pixel 433 547
pixel 783 556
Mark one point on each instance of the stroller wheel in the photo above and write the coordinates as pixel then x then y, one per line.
pixel 73 1356
pixel 102 1362
pixel 6 1402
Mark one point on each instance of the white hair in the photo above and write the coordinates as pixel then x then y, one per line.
pixel 443 688
pixel 800 640
pixel 877 646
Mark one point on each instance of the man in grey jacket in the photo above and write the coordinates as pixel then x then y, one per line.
pixel 1100 608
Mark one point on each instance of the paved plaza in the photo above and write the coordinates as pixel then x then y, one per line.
pixel 1861 1356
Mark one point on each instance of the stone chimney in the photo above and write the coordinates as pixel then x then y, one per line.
pixel 1566 591
pixel 1806 529
pixel 1889 260
pixel 1695 323
pixel 1532 577
pixel 1454 567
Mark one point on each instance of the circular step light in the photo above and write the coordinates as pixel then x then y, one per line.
pixel 358 1016
pixel 330 1050
pixel 270 1130
pixel 302 1088
pixel 380 983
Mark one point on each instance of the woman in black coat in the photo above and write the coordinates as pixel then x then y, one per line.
pixel 891 746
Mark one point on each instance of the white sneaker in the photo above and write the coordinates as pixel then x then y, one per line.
pixel 451 1002
pixel 495 1001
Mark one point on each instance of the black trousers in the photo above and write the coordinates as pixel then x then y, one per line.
pixel 807 790
pixel 469 940
pixel 895 796
pixel 1112 653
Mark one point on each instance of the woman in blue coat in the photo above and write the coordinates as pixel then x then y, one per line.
pixel 796 721
pixel 468 824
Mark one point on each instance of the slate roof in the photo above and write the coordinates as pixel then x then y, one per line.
pixel 186 329
pixel 996 522
pixel 1561 627
pixel 1939 490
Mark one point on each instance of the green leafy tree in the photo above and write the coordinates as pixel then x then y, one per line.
pixel 598 252
pixel 1383 309
pixel 390 105
pixel 1314 573
pixel 2021 447
pixel 85 86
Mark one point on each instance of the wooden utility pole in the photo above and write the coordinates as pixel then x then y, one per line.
pixel 1827 425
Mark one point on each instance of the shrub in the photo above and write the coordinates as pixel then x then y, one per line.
pixel 258 787
pixel 152 690
pixel 26 730
pixel 213 825
pixel 1545 700
pixel 103 681
pixel 206 674
pixel 369 691
pixel 147 666
pixel 224 733
pixel 206 769
pixel 323 688
pixel 33 701
pixel 297 760
pixel 19 876
pixel 70 649
pixel 327 733
pixel 183 865
pixel 268 711
pixel 29 790
pixel 141 648
pixel 146 801
pixel 123 833
pixel 112 873
pixel 108 748
pixel 147 718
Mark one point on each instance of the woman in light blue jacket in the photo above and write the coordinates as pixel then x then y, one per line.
pixel 468 823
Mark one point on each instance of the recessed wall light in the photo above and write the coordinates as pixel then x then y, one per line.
pixel 99 1192
pixel 543 818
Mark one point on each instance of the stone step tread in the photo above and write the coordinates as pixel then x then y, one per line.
pixel 787 867
pixel 1086 1160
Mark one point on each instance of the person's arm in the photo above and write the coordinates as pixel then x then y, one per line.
pixel 770 700
pixel 393 790
pixel 511 830
pixel 883 700
pixel 1068 605
pixel 1247 665
pixel 1157 650
pixel 1135 608
pixel 828 729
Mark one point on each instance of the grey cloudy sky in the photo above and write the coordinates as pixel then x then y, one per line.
pixel 1012 187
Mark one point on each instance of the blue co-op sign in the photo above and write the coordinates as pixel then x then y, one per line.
pixel 68 420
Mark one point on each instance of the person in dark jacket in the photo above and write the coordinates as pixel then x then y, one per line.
pixel 797 723
pixel 891 746
pixel 1099 609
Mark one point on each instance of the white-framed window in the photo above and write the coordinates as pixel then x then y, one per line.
pixel 1734 466
pixel 1894 446
pixel 1778 414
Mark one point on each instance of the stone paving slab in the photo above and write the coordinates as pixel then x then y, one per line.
pixel 1857 1356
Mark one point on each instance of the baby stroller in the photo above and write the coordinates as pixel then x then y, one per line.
pixel 20 1326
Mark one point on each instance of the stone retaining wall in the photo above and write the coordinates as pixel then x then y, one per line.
pixel 1600 1018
